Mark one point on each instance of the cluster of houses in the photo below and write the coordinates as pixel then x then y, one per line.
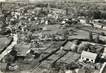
pixel 41 35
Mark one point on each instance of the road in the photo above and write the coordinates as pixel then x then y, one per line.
pixel 10 47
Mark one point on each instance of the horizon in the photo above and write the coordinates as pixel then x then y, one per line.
pixel 55 0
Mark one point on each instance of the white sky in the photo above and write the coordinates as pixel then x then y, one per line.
pixel 2 0
pixel 31 0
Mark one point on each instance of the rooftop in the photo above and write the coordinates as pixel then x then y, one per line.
pixel 89 55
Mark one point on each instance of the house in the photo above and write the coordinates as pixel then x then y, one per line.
pixel 82 20
pixel 98 25
pixel 88 57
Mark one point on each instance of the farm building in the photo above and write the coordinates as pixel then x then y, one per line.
pixel 88 57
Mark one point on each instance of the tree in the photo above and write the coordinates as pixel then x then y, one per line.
pixel 97 40
pixel 67 11
pixel 96 14
pixel 90 36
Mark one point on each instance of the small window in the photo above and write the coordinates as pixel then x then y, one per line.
pixel 92 60
pixel 87 59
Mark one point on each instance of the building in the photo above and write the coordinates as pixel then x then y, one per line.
pixel 88 57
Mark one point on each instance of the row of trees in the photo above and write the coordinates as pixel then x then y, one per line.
pixel 79 9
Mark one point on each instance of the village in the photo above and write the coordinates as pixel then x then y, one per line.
pixel 59 37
